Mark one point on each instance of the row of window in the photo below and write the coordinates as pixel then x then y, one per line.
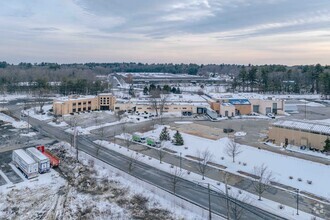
pixel 79 103
pixel 79 109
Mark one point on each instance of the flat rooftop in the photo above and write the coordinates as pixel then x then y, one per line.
pixel 307 126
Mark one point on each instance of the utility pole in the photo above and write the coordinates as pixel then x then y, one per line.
pixel 180 161
pixel 297 190
pixel 28 121
pixel 209 190
pixel 227 199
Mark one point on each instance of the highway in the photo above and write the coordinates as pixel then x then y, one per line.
pixel 187 190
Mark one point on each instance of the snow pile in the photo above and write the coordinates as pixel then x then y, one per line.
pixel 183 122
pixel 61 124
pixel 80 130
pixel 31 134
pixel 16 124
pixel 311 104
pixel 42 117
pixel 240 134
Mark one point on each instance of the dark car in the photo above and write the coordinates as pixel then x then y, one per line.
pixel 228 130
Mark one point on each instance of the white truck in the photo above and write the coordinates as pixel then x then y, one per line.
pixel 25 163
pixel 42 160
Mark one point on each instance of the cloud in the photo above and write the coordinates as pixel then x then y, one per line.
pixel 166 30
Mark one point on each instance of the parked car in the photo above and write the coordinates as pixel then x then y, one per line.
pixel 228 130
pixel 271 115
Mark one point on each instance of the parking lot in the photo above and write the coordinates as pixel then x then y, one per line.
pixel 88 119
pixel 7 170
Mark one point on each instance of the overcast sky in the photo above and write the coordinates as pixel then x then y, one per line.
pixel 198 31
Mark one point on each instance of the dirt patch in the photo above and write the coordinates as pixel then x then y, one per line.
pixel 200 130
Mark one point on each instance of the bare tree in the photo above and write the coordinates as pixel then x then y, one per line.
pixel 127 137
pixel 162 103
pixel 160 153
pixel 177 174
pixel 235 205
pixel 233 149
pixel 132 161
pixel 204 158
pixel 154 100
pixel 262 180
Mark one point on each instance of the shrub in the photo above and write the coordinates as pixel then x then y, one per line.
pixel 309 182
pixel 299 179
pixel 290 177
pixel 281 206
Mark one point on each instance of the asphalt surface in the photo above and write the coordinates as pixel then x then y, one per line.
pixel 187 190
pixel 163 180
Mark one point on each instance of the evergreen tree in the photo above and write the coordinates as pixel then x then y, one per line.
pixel 178 140
pixel 327 145
pixel 145 90
pixel 178 91
pixel 173 90
pixel 164 135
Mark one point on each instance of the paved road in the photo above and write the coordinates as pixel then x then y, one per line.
pixel 89 147
pixel 275 194
pixel 187 190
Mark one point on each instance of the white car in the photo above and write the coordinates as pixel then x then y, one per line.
pixel 271 115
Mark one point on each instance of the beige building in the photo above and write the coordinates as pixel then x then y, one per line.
pixel 299 133
pixel 227 110
pixel 76 103
pixel 265 106
pixel 183 108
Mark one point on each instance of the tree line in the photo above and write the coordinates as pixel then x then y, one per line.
pixel 82 78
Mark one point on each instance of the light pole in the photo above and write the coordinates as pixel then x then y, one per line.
pixel 297 191
pixel 209 190
pixel 180 161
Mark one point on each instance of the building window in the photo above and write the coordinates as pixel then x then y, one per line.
pixel 117 108
pixel 84 103
pixel 74 104
pixel 89 108
pixel 74 110
pixel 184 108
pixel 84 109
pixel 79 103
pixel 89 102
pixel 79 109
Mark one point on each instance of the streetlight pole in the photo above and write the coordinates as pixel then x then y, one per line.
pixel 180 161
pixel 297 191
pixel 209 190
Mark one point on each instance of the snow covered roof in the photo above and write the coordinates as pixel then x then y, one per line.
pixel 37 153
pixel 22 154
pixel 304 126
pixel 74 97
pixel 239 101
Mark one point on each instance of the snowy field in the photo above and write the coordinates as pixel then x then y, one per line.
pixel 265 204
pixel 13 122
pixel 9 97
pixel 32 112
pixel 91 191
pixel 281 166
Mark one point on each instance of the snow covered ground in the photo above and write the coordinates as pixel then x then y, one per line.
pixel 281 166
pixel 32 112
pixel 91 191
pixel 9 97
pixel 265 204
pixel 13 122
